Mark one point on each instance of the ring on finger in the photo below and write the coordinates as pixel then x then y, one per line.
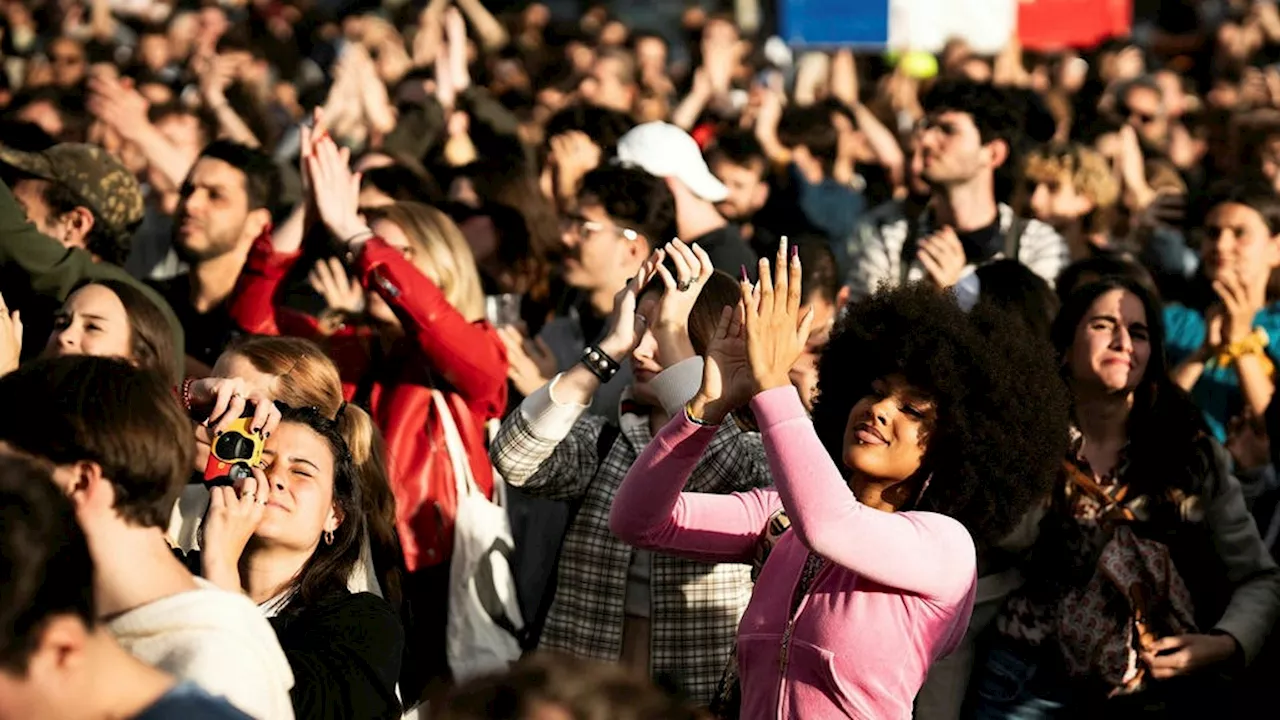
pixel 684 285
pixel 250 495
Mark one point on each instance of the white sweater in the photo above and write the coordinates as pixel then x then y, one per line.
pixel 216 639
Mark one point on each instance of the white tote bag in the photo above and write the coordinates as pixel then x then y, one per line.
pixel 485 625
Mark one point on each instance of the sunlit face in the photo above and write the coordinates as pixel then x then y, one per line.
pixel 93 322
pixel 394 236
pixel 604 86
pixel 300 508
pixel 646 362
pixel 599 254
pixel 1237 240
pixel 1112 345
pixel 213 211
pixel 748 191
pixel 952 149
pixel 1057 201
pixel 888 431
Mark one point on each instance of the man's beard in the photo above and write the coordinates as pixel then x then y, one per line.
pixel 213 249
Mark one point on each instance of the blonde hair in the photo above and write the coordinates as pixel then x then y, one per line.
pixel 1086 168
pixel 451 266
pixel 305 377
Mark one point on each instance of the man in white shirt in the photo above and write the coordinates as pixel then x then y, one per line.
pixel 120 447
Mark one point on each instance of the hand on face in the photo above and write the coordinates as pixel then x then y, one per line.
pixel 233 517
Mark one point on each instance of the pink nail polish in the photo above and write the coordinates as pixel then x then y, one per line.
pixel 743 268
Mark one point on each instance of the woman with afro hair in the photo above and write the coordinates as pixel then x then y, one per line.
pixel 1148 583
pixel 931 438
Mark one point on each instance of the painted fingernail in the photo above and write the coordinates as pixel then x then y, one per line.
pixel 795 252
pixel 743 268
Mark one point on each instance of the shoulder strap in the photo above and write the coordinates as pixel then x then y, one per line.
pixel 1013 238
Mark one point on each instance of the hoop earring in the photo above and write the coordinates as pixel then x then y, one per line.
pixel 328 537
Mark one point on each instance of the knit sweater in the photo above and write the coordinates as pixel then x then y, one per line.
pixel 216 639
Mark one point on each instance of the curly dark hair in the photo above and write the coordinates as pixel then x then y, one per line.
pixel 1002 410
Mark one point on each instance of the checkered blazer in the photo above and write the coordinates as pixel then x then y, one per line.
pixel 695 606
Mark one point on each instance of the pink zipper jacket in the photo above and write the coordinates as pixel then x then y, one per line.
pixel 893 596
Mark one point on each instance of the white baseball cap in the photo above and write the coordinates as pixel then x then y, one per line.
pixel 664 150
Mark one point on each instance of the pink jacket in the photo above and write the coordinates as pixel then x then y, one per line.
pixel 894 596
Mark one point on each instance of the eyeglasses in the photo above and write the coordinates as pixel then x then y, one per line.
pixel 582 227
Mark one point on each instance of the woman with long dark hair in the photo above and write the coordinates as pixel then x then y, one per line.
pixel 289 537
pixel 1149 578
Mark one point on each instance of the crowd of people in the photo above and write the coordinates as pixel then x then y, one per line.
pixel 437 361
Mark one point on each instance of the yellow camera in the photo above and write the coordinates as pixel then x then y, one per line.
pixel 234 453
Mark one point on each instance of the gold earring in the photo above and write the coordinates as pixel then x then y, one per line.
pixel 328 537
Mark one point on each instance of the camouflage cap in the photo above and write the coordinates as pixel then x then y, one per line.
pixel 109 189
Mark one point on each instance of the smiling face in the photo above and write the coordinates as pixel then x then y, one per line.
pixel 1112 344
pixel 888 430
pixel 301 506
pixel 92 322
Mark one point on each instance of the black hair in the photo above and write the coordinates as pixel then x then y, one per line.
pixel 44 560
pixel 993 113
pixel 1252 191
pixel 741 148
pixel 111 244
pixel 208 122
pixel 1163 416
pixel 262 181
pixel 634 198
pixel 810 127
pixel 1099 267
pixel 1001 427
pixel 1014 288
pixel 102 410
pixel 605 127
pixel 25 136
pixel 330 566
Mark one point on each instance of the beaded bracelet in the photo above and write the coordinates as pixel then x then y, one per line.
pixel 599 363
pixel 186 393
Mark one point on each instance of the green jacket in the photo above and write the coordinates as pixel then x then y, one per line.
pixel 35 267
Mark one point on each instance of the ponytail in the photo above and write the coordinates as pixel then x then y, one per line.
pixel 368 453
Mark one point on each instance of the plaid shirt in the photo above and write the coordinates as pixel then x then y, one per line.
pixel 696 606
pixel 875 250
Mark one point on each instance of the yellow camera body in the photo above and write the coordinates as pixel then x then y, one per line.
pixel 234 453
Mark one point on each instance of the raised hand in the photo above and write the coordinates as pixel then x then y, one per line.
pixel 233 517
pixel 530 362
pixel 1242 299
pixel 625 327
pixel 226 399
pixel 776 332
pixel 343 295
pixel 670 325
pixel 943 258
pixel 727 380
pixel 336 190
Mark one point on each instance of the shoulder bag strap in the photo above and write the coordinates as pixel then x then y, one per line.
pixel 1013 238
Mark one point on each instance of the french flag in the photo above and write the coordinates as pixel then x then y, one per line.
pixel 927 25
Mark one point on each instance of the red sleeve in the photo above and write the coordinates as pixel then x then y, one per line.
pixel 469 356
pixel 253 304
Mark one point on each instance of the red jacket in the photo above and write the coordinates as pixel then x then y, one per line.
pixel 466 361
